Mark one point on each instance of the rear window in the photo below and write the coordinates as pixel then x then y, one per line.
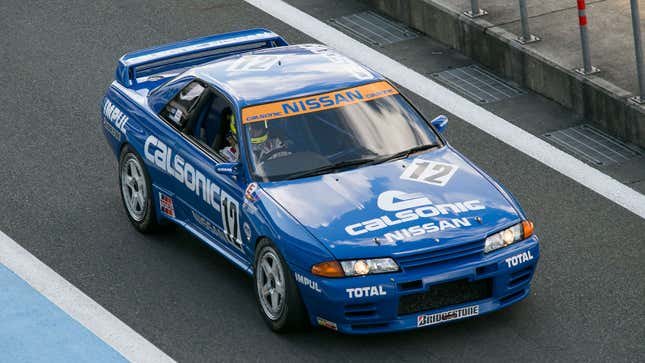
pixel 180 107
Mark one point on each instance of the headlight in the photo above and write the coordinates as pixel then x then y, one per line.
pixel 509 236
pixel 370 266
pixel 355 267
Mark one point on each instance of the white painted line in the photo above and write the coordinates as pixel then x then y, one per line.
pixel 77 305
pixel 475 115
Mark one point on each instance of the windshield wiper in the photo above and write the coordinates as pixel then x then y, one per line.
pixel 364 161
pixel 329 168
pixel 405 153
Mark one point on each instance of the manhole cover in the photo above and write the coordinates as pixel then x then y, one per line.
pixel 372 28
pixel 478 84
pixel 593 145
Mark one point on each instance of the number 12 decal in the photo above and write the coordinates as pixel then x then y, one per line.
pixel 429 172
pixel 230 210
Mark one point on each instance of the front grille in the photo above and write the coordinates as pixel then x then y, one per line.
pixel 442 254
pixel 446 294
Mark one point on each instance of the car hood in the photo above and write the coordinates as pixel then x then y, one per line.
pixel 436 198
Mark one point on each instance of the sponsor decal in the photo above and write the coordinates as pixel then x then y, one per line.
pixel 209 226
pixel 113 131
pixel 429 172
pixel 394 200
pixel 115 116
pixel 367 291
pixel 317 103
pixel 247 231
pixel 519 259
pixel 431 319
pixel 174 165
pixel 307 282
pixel 249 208
pixel 250 192
pixel 413 207
pixel 326 323
pixel 166 205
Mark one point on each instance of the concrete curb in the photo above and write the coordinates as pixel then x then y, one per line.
pixel 598 101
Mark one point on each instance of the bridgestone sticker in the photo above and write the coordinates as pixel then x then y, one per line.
pixel 432 319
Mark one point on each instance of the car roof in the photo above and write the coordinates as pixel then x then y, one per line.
pixel 284 72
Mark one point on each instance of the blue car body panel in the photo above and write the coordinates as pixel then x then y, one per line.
pixel 434 231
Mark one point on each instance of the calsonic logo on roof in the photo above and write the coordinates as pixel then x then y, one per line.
pixel 410 207
pixel 325 101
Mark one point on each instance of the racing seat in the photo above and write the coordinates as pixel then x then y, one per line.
pixel 208 124
pixel 224 128
pixel 196 116
pixel 212 127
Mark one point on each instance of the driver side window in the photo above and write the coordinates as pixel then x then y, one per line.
pixel 212 126
pixel 204 116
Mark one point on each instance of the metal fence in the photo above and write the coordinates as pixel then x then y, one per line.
pixel 587 67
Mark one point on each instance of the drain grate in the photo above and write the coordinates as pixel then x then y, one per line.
pixel 372 28
pixel 478 84
pixel 593 145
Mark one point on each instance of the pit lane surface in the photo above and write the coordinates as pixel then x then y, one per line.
pixel 60 201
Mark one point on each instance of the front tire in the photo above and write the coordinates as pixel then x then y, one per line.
pixel 276 292
pixel 136 191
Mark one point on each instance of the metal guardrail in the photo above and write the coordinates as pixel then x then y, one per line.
pixel 475 11
pixel 638 48
pixel 587 68
pixel 526 36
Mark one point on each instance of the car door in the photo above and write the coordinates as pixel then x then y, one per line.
pixel 215 199
pixel 164 151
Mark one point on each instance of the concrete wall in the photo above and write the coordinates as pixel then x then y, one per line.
pixel 596 100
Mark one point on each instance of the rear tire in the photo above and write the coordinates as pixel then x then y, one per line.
pixel 136 191
pixel 276 292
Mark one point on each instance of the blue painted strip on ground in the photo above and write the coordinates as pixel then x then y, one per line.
pixel 33 329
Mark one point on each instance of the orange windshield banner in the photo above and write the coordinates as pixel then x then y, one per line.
pixel 325 101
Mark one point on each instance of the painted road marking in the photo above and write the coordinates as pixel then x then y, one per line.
pixel 459 106
pixel 77 305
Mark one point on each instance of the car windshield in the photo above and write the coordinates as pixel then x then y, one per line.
pixel 324 133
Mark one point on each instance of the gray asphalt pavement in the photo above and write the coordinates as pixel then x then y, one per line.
pixel 59 199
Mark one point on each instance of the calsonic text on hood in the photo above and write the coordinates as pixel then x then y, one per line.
pixel 411 207
pixel 162 156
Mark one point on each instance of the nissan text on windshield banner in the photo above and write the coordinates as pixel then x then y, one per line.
pixel 325 101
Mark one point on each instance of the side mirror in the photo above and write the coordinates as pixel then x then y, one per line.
pixel 228 168
pixel 440 122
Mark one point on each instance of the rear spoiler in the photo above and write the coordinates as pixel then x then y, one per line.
pixel 192 52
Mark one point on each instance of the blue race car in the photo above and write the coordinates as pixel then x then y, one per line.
pixel 314 175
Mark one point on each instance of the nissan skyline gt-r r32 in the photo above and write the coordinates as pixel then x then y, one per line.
pixel 316 176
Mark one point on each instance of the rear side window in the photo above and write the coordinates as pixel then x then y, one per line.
pixel 179 109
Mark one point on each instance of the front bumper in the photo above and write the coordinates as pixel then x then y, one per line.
pixel 373 304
